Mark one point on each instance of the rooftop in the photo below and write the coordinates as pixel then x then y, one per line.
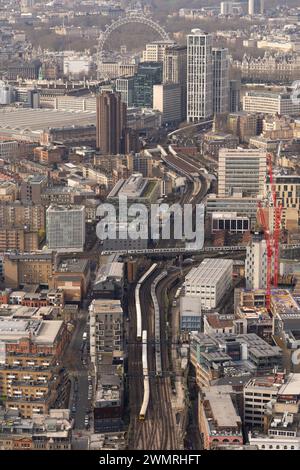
pixel 56 424
pixel 273 382
pixel 110 271
pixel 292 385
pixel 133 187
pixel 39 331
pixel 222 410
pixel 209 271
pixel 63 208
pixel 34 121
pixel 219 321
pixel 99 306
pixel 222 342
pixel 73 265
pixel 282 302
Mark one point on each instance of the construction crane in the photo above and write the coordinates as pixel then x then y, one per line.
pixel 272 238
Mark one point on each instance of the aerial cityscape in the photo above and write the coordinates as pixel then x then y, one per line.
pixel 150 227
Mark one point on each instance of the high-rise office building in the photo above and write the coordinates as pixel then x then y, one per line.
pixel 234 96
pixel 111 122
pixel 220 80
pixel 255 7
pixel 65 228
pixel 199 76
pixel 148 75
pixel 125 85
pixel 241 170
pixel 175 70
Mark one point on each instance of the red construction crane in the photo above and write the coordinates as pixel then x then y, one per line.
pixel 272 239
pixel 265 227
pixel 277 206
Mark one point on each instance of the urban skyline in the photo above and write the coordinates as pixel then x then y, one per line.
pixel 149 229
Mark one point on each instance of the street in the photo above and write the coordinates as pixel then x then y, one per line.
pixel 78 372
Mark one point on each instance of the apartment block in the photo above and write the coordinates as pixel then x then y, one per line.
pixel 199 76
pixel 29 375
pixel 18 239
pixel 106 328
pixel 18 214
pixel 287 188
pixel 8 191
pixel 52 431
pixel 28 268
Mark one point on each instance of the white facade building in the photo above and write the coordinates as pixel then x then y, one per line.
pixel 199 76
pixel 167 99
pixel 283 439
pixel 271 103
pixel 241 170
pixel 256 263
pixel 65 228
pixel 255 7
pixel 155 51
pixel 77 65
pixel 209 281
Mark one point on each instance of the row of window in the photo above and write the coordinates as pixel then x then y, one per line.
pixel 277 447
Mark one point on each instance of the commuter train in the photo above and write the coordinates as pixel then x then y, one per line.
pixel 144 407
pixel 137 301
pixel 158 361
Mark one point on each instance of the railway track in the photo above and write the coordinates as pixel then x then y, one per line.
pixel 135 373
pixel 162 436
pixel 157 430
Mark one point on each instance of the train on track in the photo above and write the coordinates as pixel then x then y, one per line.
pixel 142 335
pixel 137 301
pixel 144 407
pixel 157 337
